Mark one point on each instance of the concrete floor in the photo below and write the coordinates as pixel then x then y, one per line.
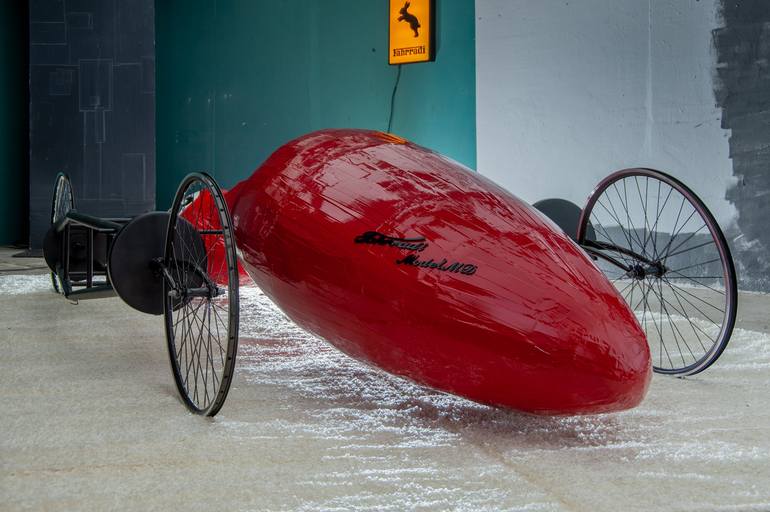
pixel 91 421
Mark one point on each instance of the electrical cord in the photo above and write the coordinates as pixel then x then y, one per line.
pixel 393 98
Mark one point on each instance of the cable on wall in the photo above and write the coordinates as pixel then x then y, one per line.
pixel 393 98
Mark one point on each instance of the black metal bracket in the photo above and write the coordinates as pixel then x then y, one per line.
pixel 209 291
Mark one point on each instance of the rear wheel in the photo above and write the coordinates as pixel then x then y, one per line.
pixel 663 250
pixel 63 201
pixel 201 294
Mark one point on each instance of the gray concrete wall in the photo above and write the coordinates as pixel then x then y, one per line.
pixel 569 91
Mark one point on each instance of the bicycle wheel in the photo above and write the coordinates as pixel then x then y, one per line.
pixel 659 245
pixel 62 202
pixel 201 294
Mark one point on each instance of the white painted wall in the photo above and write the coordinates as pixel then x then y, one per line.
pixel 568 91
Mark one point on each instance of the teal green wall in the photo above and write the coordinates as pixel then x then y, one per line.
pixel 238 78
pixel 13 121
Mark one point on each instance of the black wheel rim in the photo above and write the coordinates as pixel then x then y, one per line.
pixel 201 330
pixel 679 277
pixel 62 202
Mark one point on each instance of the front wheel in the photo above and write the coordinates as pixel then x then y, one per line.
pixel 663 250
pixel 200 294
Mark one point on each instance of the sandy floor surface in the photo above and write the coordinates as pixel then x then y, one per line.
pixel 91 421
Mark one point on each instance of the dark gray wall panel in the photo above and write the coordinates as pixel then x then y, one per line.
pixel 743 93
pixel 92 106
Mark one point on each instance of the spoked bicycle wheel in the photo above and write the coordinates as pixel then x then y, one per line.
pixel 659 245
pixel 201 294
pixel 62 202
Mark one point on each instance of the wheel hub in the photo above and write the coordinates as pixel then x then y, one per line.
pixel 640 272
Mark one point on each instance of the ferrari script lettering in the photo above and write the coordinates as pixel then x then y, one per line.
pixel 415 245
pixel 376 238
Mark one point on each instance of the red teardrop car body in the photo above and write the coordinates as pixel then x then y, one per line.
pixel 407 260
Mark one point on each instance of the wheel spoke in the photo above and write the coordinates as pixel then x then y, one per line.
pixel 693 326
pixel 679 270
pixel 682 290
pixel 615 218
pixel 669 253
pixel 658 211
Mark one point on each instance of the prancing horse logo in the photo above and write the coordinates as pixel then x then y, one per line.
pixel 410 18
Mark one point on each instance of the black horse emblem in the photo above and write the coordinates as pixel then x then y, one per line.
pixel 410 18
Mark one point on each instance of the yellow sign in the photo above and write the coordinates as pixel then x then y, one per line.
pixel 411 31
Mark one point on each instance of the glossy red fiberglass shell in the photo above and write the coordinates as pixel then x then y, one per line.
pixel 202 215
pixel 496 304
